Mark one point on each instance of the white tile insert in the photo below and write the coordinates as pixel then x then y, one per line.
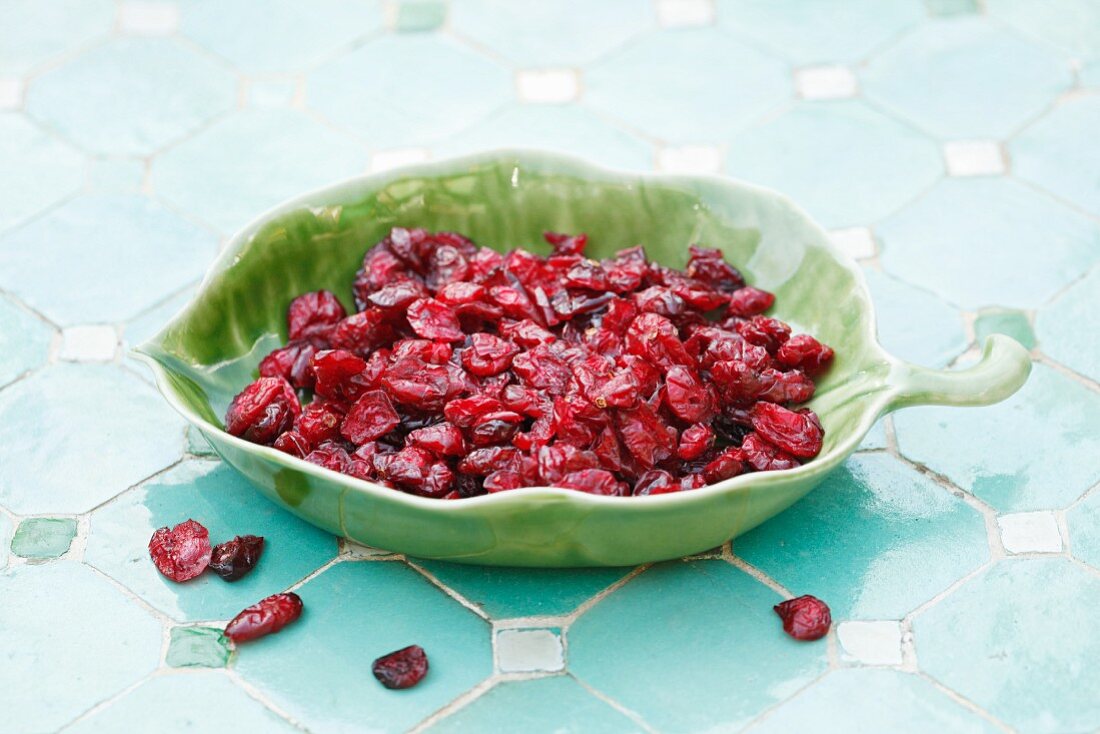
pixel 11 93
pixel 93 343
pixel 685 13
pixel 856 242
pixel 148 19
pixel 548 85
pixel 973 158
pixel 1030 532
pixel 384 160
pixel 826 82
pixel 689 159
pixel 529 650
pixel 870 643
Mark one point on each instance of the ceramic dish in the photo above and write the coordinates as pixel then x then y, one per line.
pixel 506 199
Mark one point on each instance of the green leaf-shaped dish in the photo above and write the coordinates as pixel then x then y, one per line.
pixel 505 199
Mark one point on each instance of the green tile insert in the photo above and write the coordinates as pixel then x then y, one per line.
pixel 420 15
pixel 946 8
pixel 1006 321
pixel 43 537
pixel 197 647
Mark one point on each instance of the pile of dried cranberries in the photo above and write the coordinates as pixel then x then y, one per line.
pixel 465 371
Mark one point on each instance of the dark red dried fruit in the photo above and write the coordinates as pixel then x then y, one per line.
pixel 312 315
pixel 181 553
pixel 233 559
pixel 401 669
pixel 466 371
pixel 263 410
pixel 805 618
pixel 265 617
pixel 799 434
pixel 371 417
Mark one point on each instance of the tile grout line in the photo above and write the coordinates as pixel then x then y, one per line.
pixel 257 695
pixel 624 710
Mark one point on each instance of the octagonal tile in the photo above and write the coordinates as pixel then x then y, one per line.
pixel 503 593
pixel 387 606
pixel 913 324
pixel 40 170
pixel 844 162
pixel 75 436
pixel 114 99
pixel 973 242
pixel 569 32
pixel 102 258
pixel 966 78
pixel 1011 447
pixel 563 128
pixel 557 705
pixel 1012 641
pixel 875 540
pixel 57 663
pixel 1072 26
pixel 280 36
pixel 36 31
pixel 380 92
pixel 1059 326
pixel 234 170
pixel 24 341
pixel 867 700
pixel 184 702
pixel 821 32
pixel 652 81
pixel 223 501
pixel 1059 154
pixel 716 625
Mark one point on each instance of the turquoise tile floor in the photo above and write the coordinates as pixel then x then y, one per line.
pixel 949 145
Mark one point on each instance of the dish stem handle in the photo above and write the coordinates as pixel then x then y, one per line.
pixel 1001 371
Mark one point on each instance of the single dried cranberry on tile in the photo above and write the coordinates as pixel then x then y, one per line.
pixel 312 315
pixel 798 433
pixel 371 417
pixel 805 617
pixel 233 559
pixel 401 669
pixel 181 553
pixel 805 353
pixel 265 617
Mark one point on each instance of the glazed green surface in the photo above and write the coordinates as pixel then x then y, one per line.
pixel 506 200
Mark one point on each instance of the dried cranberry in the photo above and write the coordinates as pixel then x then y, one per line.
pixel 293 443
pixel 443 439
pixel 181 553
pixel 312 315
pixel 488 355
pixel 799 434
pixel 805 617
pixel 805 353
pixel 293 363
pixel 432 319
pixel 749 301
pixel 762 456
pixel 263 410
pixel 503 479
pixel 336 370
pixel 372 416
pixel 594 481
pixel 401 669
pixel 233 559
pixel 265 617
pixel 695 441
